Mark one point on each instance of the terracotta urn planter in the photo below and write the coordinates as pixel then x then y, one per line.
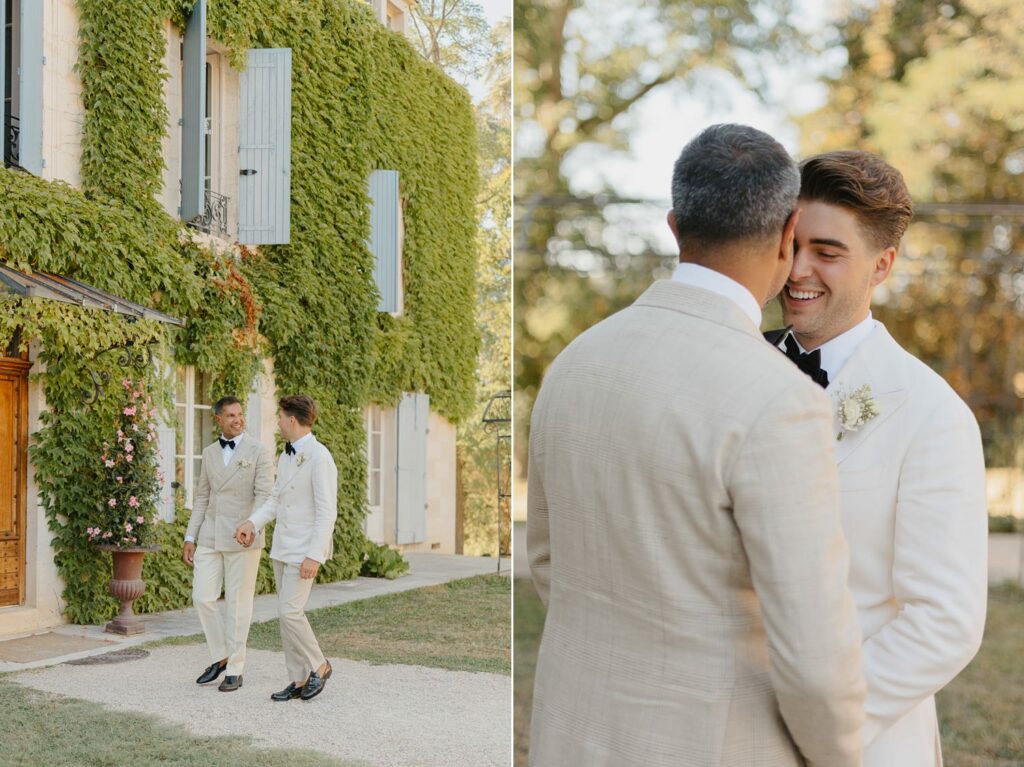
pixel 126 586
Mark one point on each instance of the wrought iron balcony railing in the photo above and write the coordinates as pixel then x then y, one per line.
pixel 215 215
pixel 12 129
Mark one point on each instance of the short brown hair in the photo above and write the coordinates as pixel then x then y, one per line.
pixel 301 406
pixel 864 184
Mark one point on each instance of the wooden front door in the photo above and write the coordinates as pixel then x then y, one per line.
pixel 13 467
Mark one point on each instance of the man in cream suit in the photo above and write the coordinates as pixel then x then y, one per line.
pixel 236 476
pixel 305 504
pixel 683 524
pixel 912 476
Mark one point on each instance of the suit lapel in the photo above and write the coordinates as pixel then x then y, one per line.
pixel 877 362
pixel 242 453
pixel 214 465
pixel 294 468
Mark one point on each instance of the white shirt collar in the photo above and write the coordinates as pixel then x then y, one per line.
pixel 701 277
pixel 837 352
pixel 302 440
pixel 236 439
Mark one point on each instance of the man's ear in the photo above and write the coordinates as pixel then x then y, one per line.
pixel 671 217
pixel 883 265
pixel 788 235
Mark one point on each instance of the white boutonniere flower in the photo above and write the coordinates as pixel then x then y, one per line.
pixel 300 459
pixel 243 464
pixel 855 409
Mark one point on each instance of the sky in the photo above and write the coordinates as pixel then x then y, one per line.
pixel 664 121
pixel 496 10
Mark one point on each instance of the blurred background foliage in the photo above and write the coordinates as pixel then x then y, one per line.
pixel 936 88
pixel 456 35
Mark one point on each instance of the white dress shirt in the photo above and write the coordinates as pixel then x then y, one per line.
pixel 716 282
pixel 299 443
pixel 836 353
pixel 227 452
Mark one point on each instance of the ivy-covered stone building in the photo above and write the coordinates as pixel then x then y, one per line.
pixel 241 197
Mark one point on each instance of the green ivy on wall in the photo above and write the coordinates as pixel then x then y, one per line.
pixel 362 99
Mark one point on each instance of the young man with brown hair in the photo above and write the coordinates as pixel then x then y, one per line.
pixel 304 502
pixel 911 468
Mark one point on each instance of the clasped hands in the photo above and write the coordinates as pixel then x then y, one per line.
pixel 245 534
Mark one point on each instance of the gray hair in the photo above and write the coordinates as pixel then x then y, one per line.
pixel 733 182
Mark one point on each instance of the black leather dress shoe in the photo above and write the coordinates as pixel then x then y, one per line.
pixel 288 693
pixel 214 671
pixel 315 684
pixel 230 683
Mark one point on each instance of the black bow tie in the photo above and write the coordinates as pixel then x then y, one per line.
pixel 810 362
pixel 288 449
pixel 227 443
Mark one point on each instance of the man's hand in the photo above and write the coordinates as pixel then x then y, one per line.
pixel 188 553
pixel 308 568
pixel 245 533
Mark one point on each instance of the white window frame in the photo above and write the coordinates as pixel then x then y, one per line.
pixel 374 472
pixel 186 424
pixel 214 120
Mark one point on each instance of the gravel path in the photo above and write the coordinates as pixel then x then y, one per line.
pixel 388 715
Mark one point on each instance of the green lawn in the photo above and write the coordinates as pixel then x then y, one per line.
pixel 461 626
pixel 981 713
pixel 982 710
pixel 42 729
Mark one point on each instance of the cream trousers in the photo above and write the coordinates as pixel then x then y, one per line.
pixel 301 650
pixel 235 573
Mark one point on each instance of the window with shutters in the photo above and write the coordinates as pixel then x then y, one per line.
pixel 10 47
pixel 21 79
pixel 203 202
pixel 195 428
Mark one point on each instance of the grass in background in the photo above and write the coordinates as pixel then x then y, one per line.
pixel 529 624
pixel 463 625
pixel 981 712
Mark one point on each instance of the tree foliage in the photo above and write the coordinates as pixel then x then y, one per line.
pixel 580 68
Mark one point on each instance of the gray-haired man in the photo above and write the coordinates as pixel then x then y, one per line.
pixel 683 523
pixel 236 477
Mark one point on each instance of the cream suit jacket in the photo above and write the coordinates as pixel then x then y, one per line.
pixel 683 529
pixel 304 502
pixel 914 514
pixel 227 495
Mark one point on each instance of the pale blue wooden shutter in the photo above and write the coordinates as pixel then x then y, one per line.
pixel 30 67
pixel 384 211
pixel 264 187
pixel 411 505
pixel 193 115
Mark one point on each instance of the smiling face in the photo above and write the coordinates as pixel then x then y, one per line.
pixel 231 420
pixel 835 269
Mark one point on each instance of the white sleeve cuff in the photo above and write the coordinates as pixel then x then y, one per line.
pixel 189 539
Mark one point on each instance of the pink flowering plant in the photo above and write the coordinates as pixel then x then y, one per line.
pixel 132 480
